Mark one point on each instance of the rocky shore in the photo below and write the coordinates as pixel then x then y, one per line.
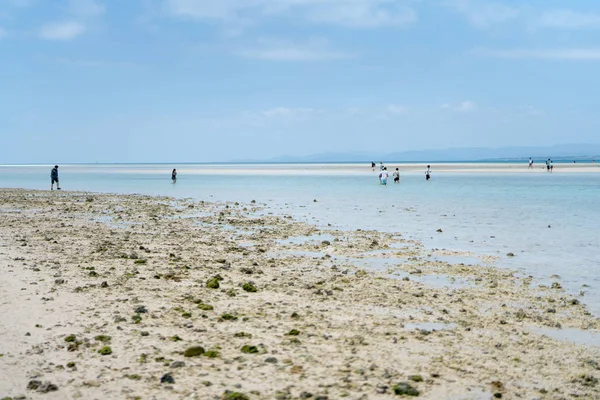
pixel 137 297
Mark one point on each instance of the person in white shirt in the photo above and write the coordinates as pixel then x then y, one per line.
pixel 428 173
pixel 383 176
pixel 530 163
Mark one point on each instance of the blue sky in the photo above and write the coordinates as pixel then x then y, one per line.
pixel 209 80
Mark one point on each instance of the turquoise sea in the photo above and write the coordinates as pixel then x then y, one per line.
pixel 551 222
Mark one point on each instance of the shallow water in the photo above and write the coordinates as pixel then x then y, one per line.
pixel 549 221
pixel 578 336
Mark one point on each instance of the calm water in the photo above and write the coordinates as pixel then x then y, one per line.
pixel 551 222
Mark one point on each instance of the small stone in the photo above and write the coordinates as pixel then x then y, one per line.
pixel 306 395
pixel 178 364
pixel 382 389
pixel 47 387
pixel 104 284
pixel 271 360
pixel 141 310
pixel 167 378
pixel 510 254
pixel 145 333
pixel 439 230
pixel 59 281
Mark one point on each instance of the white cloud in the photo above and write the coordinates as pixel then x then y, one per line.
pixel 86 8
pixel 62 30
pixel 572 54
pixel 462 107
pixel 569 19
pixel 397 109
pixel 281 50
pixel 484 14
pixel 350 13
pixel 466 106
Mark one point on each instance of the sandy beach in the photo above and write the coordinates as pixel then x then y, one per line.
pixel 138 297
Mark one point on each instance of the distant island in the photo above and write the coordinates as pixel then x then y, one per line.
pixel 558 153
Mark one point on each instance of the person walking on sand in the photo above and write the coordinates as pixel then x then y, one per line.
pixel 530 163
pixel 397 176
pixel 548 165
pixel 174 175
pixel 428 173
pixel 373 165
pixel 54 178
pixel 551 166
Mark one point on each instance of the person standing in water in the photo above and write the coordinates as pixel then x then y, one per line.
pixel 551 166
pixel 428 173
pixel 383 176
pixel 548 165
pixel 397 176
pixel 174 175
pixel 54 178
pixel 373 165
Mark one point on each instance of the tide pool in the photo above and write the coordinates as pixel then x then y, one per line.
pixel 550 222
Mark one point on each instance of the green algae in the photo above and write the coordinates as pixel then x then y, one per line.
pixel 212 354
pixel 249 349
pixel 404 388
pixel 106 350
pixel 243 334
pixel 228 317
pixel 71 339
pixel 293 332
pixel 229 395
pixel 194 351
pixel 248 287
pixel 103 338
pixel 213 283
pixel 205 307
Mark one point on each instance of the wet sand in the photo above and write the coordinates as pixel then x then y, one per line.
pixel 101 296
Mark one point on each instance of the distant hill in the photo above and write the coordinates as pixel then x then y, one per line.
pixel 558 152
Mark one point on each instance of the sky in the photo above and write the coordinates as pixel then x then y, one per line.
pixel 216 80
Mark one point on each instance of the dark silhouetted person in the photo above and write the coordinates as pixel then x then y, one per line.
pixel 174 175
pixel 54 178
pixel 397 176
